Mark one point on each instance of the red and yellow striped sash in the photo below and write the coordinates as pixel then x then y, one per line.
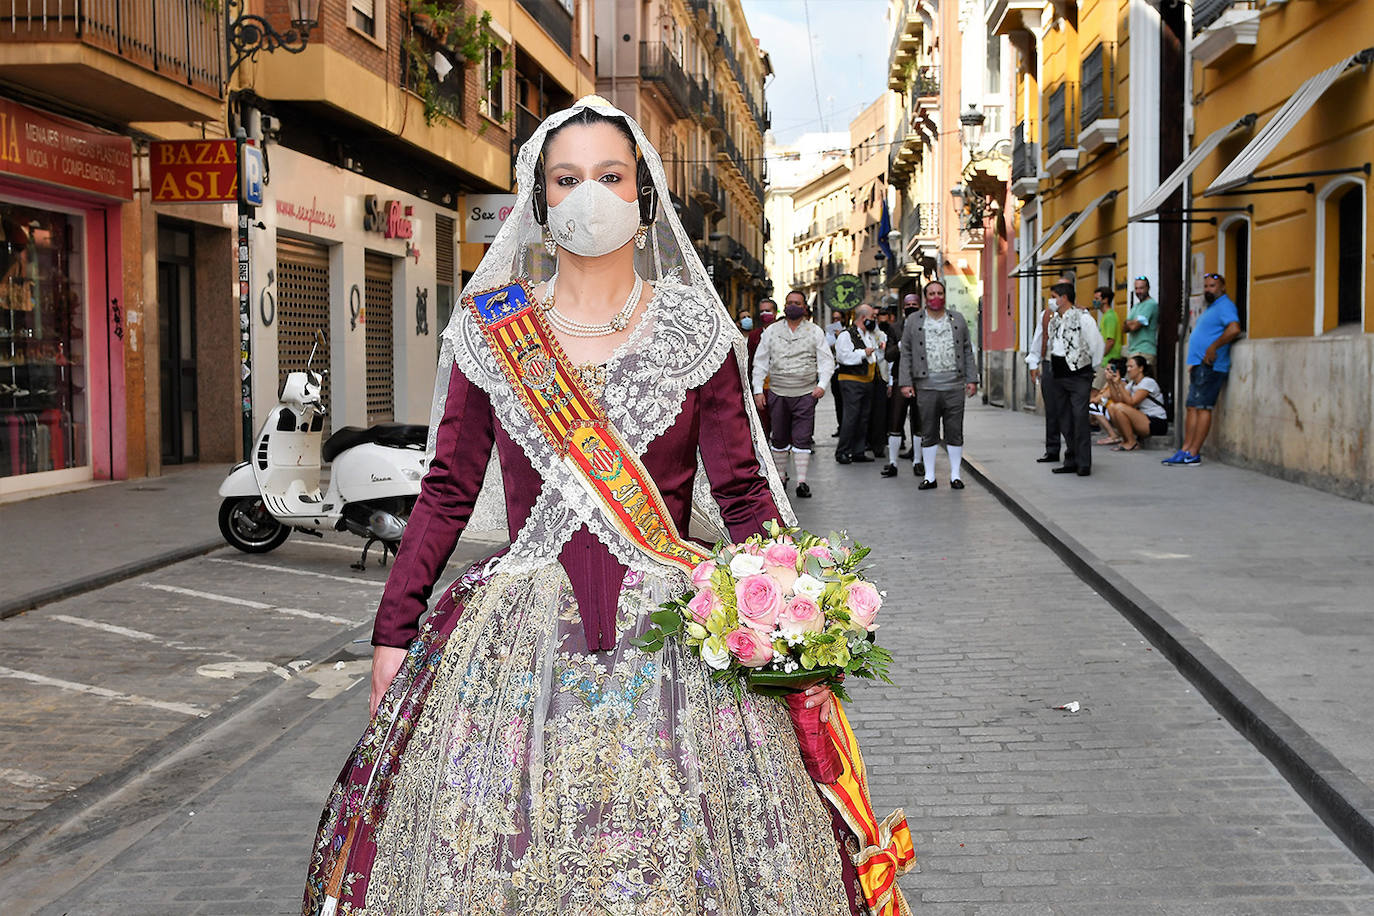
pixel 886 850
pixel 574 424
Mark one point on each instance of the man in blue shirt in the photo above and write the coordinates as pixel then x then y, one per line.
pixel 1209 362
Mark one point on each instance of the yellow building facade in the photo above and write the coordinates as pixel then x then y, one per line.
pixel 1293 240
pixel 1171 141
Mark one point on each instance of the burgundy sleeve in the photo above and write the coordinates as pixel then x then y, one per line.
pixel 447 494
pixel 727 452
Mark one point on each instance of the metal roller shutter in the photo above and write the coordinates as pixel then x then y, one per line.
pixel 377 292
pixel 302 308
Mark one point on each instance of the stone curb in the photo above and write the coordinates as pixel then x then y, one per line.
pixel 50 819
pixel 1339 797
pixel 13 606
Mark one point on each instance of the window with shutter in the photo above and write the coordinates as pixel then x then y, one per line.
pixel 364 16
pixel 377 298
pixel 302 308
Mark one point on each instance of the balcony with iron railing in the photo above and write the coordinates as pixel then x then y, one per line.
pixel 554 18
pixel 658 65
pixel 708 190
pixel 154 60
pixel 921 221
pixel 1097 120
pixel 1025 164
pixel 925 82
pixel 526 121
pixel 905 150
pixel 906 41
pixel 1061 135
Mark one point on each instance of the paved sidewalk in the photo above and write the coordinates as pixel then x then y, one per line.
pixel 1273 576
pixel 59 541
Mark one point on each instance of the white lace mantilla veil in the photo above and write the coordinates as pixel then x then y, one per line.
pixel 686 335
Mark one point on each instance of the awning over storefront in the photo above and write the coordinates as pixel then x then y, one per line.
pixel 1150 205
pixel 1078 220
pixel 1044 240
pixel 1241 171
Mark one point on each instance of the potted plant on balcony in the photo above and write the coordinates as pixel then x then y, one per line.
pixel 439 27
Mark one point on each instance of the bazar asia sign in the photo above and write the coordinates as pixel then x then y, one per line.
pixel 194 171
pixel 56 151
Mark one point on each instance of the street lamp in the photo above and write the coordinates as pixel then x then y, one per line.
pixel 971 127
pixel 246 33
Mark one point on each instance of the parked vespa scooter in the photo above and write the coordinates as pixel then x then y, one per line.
pixel 373 483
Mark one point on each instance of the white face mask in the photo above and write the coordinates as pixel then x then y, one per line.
pixel 593 221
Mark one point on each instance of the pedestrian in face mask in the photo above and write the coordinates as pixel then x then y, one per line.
pixel 792 367
pixel 902 413
pixel 857 352
pixel 939 370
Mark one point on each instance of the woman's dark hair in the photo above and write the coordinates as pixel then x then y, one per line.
pixel 1066 290
pixel 1142 363
pixel 644 180
pixel 929 283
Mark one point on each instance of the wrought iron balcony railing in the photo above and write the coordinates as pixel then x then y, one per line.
pixel 1059 119
pixel 1099 84
pixel 182 40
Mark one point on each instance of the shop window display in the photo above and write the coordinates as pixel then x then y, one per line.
pixel 43 407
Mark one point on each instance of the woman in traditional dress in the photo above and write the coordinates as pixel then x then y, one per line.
pixel 524 757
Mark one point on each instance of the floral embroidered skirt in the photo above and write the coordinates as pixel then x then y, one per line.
pixel 510 771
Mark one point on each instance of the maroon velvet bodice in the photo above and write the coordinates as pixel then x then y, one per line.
pixel 463 446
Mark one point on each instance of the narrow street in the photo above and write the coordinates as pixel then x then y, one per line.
pixel 1143 801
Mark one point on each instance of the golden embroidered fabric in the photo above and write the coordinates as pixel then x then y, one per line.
pixel 543 780
pixel 592 375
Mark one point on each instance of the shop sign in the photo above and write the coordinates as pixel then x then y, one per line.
pixel 391 218
pixel 311 214
pixel 485 215
pixel 56 151
pixel 193 171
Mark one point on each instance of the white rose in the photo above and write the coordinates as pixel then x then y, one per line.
pixel 809 586
pixel 715 654
pixel 745 564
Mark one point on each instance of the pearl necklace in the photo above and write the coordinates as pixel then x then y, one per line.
pixel 574 328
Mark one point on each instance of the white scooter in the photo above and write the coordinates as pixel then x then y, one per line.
pixel 373 483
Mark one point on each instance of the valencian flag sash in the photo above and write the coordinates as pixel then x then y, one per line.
pixel 575 425
pixel 885 849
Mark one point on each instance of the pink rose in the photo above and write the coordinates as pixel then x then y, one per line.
pixel 781 555
pixel 701 576
pixel 863 602
pixel 703 604
pixel 752 649
pixel 819 552
pixel 754 550
pixel 758 599
pixel 801 615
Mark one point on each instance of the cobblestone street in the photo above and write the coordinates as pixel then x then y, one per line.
pixel 1143 801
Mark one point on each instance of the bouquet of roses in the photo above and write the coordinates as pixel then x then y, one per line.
pixel 780 613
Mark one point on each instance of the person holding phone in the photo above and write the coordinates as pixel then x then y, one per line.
pixel 1136 408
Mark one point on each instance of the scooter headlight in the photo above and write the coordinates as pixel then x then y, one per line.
pixel 410 474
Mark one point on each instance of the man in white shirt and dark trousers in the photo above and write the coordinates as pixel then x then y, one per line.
pixel 795 360
pixel 857 351
pixel 1075 349
pixel 939 370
